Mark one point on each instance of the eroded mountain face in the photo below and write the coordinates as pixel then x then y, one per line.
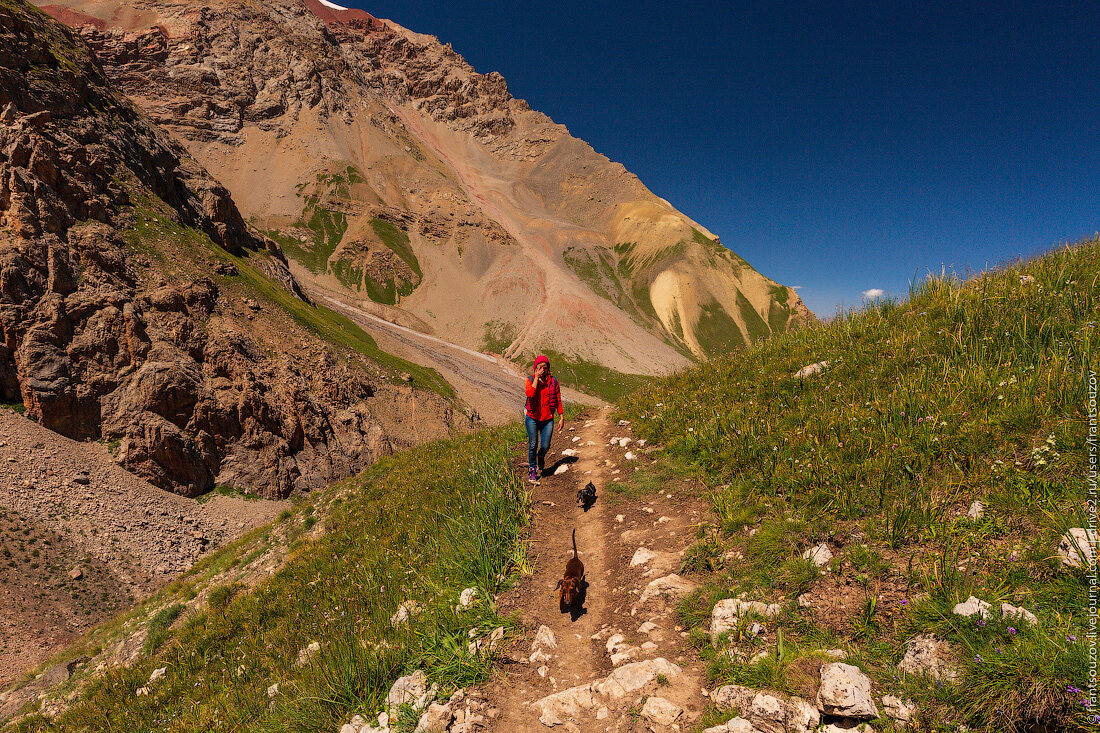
pixel 386 167
pixel 137 308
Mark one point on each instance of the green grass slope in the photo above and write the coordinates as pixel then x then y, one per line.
pixel 418 526
pixel 970 391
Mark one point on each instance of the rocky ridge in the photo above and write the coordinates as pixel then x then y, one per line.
pixel 518 236
pixel 123 267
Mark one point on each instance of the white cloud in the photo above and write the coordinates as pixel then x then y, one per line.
pixel 796 287
pixel 873 293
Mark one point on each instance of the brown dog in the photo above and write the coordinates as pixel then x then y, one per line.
pixel 571 585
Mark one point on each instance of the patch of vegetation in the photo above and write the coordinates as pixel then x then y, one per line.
pixel 396 239
pixel 15 407
pixel 420 526
pixel 599 275
pixel 970 391
pixel 498 336
pixel 154 234
pixel 716 332
pixel 588 376
pixel 159 626
pixel 226 490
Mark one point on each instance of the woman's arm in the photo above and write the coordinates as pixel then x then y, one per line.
pixel 530 388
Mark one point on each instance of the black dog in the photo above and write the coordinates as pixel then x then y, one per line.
pixel 586 497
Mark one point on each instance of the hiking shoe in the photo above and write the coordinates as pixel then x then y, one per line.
pixel 533 475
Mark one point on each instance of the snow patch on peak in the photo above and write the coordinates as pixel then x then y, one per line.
pixel 333 6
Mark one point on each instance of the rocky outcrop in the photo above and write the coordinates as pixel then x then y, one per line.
pixel 117 320
pixel 269 97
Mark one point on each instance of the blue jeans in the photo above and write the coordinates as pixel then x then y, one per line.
pixel 539 433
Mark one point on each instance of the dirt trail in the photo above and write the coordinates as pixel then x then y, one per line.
pixel 579 684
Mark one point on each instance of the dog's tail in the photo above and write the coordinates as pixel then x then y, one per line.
pixel 574 542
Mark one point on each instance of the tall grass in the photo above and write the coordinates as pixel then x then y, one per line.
pixel 421 525
pixel 971 390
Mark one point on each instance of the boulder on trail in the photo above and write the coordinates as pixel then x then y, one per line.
pixel 929 655
pixel 661 711
pixel 672 586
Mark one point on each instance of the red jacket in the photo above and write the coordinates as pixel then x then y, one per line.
pixel 542 402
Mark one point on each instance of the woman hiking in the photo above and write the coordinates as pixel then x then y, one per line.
pixel 543 400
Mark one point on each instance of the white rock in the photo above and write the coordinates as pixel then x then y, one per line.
pixel 555 709
pixel 734 725
pixel 837 728
pixel 661 711
pixel 641 443
pixel 1022 614
pixel 544 639
pixel 1077 547
pixel 403 612
pixel 615 643
pixel 838 654
pixel 634 676
pixel 976 511
pixel 466 597
pixel 758 657
pixel 348 728
pixel 804 601
pixel 141 692
pixel 733 696
pixel 571 452
pixel 820 554
pixel 407 690
pixel 845 691
pixel 157 674
pixel 358 721
pixel 727 612
pixel 1026 279
pixel 307 653
pixel 641 557
pixel 273 690
pixel 561 469
pixel 647 627
pixel 602 713
pixel 435 719
pixel 894 707
pixel 543 670
pixel 928 655
pixel 624 442
pixel 649 647
pixel 672 586
pixel 971 607
pixel 811 369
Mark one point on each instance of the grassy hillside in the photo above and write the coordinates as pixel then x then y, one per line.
pixel 419 526
pixel 971 391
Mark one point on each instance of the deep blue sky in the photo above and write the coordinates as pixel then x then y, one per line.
pixel 837 146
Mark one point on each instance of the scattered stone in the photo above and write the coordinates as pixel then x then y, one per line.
pixel 812 369
pixel 647 627
pixel 571 452
pixel 273 691
pixel 672 586
pixel 466 597
pixel 844 727
pixel 630 456
pixel 403 612
pixel 661 711
pixel 1022 614
pixel 141 692
pixel 561 469
pixel 845 691
pixel 157 674
pixel 929 655
pixel 602 713
pixel 766 711
pixel 1077 547
pixel 544 638
pixel 348 728
pixel 894 707
pixel 76 573
pixel 820 554
pixel 971 607
pixel 727 612
pixel 304 655
pixel 976 511
pixel 641 557
pixel 82 478
pixel 734 725
pixel 407 690
pixel 435 719
pixel 837 654
pixel 804 601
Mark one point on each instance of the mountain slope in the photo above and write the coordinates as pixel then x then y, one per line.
pixel 139 309
pixel 385 165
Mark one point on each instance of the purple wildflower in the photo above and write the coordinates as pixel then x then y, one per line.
pixel 979 659
pixel 1011 631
